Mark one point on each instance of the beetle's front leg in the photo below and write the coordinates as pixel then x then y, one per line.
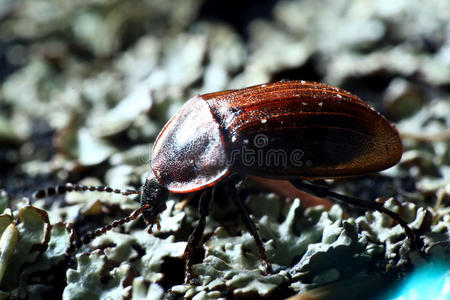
pixel 196 235
pixel 251 227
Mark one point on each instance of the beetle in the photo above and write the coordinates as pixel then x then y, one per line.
pixel 291 130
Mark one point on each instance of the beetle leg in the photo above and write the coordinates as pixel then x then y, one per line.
pixel 251 227
pixel 324 192
pixel 181 205
pixel 196 235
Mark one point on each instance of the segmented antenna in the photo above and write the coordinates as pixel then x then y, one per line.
pixel 90 235
pixel 68 187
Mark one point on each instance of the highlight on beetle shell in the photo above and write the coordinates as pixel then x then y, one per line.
pixel 256 152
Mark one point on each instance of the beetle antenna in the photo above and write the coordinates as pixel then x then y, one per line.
pixel 68 187
pixel 90 235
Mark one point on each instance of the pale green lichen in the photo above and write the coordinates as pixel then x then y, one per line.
pixel 141 290
pixel 8 242
pixel 33 230
pixel 156 250
pixel 95 91
pixel 93 280
pixel 308 248
pixel 232 261
pixel 35 247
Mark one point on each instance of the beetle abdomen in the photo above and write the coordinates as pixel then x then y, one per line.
pixel 189 153
pixel 303 129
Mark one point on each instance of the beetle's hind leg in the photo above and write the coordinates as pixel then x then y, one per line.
pixel 324 192
pixel 251 227
pixel 196 235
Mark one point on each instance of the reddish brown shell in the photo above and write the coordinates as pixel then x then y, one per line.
pixel 283 130
pixel 190 152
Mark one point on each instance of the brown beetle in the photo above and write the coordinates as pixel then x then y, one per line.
pixel 336 132
pixel 285 130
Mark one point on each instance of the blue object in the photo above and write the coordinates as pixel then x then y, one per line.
pixel 431 281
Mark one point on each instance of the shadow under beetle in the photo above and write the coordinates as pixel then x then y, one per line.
pixel 256 131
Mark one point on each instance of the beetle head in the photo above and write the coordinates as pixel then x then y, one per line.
pixel 155 195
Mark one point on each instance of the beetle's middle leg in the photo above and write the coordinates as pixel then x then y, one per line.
pixel 251 227
pixel 196 235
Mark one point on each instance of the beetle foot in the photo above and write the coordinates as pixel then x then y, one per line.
pixel 191 279
pixel 267 266
pixel 150 227
pixel 189 276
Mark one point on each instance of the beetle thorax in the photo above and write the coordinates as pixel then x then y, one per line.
pixel 189 153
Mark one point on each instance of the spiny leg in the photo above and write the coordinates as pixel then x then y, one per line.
pixel 251 227
pixel 196 235
pixel 324 192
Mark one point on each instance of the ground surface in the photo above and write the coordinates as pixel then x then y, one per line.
pixel 87 86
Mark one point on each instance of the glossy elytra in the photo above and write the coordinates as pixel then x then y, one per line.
pixel 212 138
